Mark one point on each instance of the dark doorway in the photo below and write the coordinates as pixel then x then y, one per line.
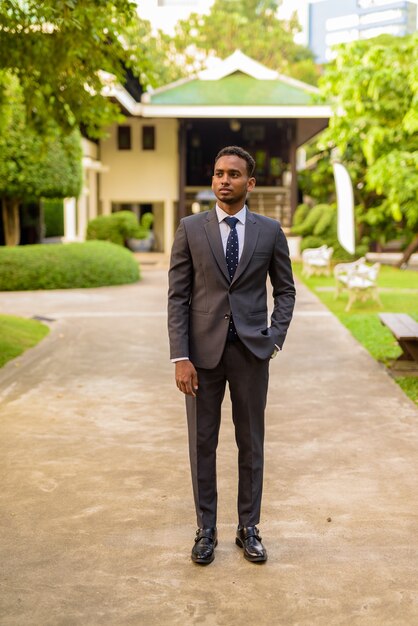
pixel 30 223
pixel 267 140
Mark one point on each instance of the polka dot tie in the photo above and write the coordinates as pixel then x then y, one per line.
pixel 232 251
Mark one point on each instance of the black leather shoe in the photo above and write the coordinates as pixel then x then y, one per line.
pixel 249 539
pixel 206 540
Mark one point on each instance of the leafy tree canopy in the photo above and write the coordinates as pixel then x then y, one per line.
pixel 373 85
pixel 250 25
pixel 32 164
pixel 57 49
pixel 154 55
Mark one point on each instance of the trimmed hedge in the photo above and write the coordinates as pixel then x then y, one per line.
pixel 66 266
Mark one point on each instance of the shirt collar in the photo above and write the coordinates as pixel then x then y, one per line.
pixel 241 215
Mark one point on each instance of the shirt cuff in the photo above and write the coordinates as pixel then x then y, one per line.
pixel 180 358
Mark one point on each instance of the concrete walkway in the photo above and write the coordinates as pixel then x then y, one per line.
pixel 97 518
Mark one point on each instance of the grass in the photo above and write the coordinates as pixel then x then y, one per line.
pixel 17 334
pixel 398 293
pixel 410 386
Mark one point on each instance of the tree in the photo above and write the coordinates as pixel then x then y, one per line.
pixel 154 55
pixel 373 85
pixel 32 164
pixel 58 49
pixel 317 180
pixel 251 26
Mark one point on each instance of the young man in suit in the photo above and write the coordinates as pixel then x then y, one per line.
pixel 218 330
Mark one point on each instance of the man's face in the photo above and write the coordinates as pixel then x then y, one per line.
pixel 230 181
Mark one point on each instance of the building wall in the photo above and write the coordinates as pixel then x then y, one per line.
pixel 78 211
pixel 331 22
pixel 87 203
pixel 90 148
pixel 139 177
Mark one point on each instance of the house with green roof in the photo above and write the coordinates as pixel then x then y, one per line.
pixel 160 159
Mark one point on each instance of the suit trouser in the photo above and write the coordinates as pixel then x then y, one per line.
pixel 247 377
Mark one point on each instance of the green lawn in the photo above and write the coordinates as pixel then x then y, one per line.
pixel 17 334
pixel 398 291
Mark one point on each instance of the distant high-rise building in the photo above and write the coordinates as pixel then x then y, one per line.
pixel 331 22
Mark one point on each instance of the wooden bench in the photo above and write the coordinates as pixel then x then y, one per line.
pixel 358 279
pixel 405 330
pixel 317 261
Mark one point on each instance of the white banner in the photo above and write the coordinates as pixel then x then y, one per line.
pixel 345 205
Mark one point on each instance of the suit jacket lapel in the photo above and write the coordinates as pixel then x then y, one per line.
pixel 251 235
pixel 214 237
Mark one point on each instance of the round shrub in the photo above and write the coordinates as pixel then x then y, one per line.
pixel 116 227
pixel 66 266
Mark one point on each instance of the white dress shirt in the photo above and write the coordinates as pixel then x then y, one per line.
pixel 225 229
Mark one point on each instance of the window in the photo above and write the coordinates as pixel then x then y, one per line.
pixel 381 16
pixel 390 29
pixel 148 137
pixel 343 22
pixel 124 137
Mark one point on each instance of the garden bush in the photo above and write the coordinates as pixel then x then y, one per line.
pixel 66 266
pixel 319 227
pixel 301 212
pixel 306 227
pixel 119 227
pixel 311 242
pixel 326 221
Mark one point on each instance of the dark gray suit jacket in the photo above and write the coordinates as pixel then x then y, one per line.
pixel 201 297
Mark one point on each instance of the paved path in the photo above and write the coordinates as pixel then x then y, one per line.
pixel 96 512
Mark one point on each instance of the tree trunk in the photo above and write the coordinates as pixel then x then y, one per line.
pixel 11 221
pixel 408 253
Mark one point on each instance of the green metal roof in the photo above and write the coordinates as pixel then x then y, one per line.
pixel 235 89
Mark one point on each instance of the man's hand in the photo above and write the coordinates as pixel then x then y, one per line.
pixel 186 377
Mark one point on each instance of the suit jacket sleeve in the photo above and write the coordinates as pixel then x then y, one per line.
pixel 284 292
pixel 179 293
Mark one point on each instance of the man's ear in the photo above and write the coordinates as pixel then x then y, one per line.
pixel 251 183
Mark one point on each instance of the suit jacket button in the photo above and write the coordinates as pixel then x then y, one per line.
pixel 226 316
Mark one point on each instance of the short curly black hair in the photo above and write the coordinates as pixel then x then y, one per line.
pixel 239 152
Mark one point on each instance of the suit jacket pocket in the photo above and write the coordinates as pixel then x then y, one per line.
pixel 262 254
pixel 194 311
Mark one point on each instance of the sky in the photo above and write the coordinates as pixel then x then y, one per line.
pixel 286 10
